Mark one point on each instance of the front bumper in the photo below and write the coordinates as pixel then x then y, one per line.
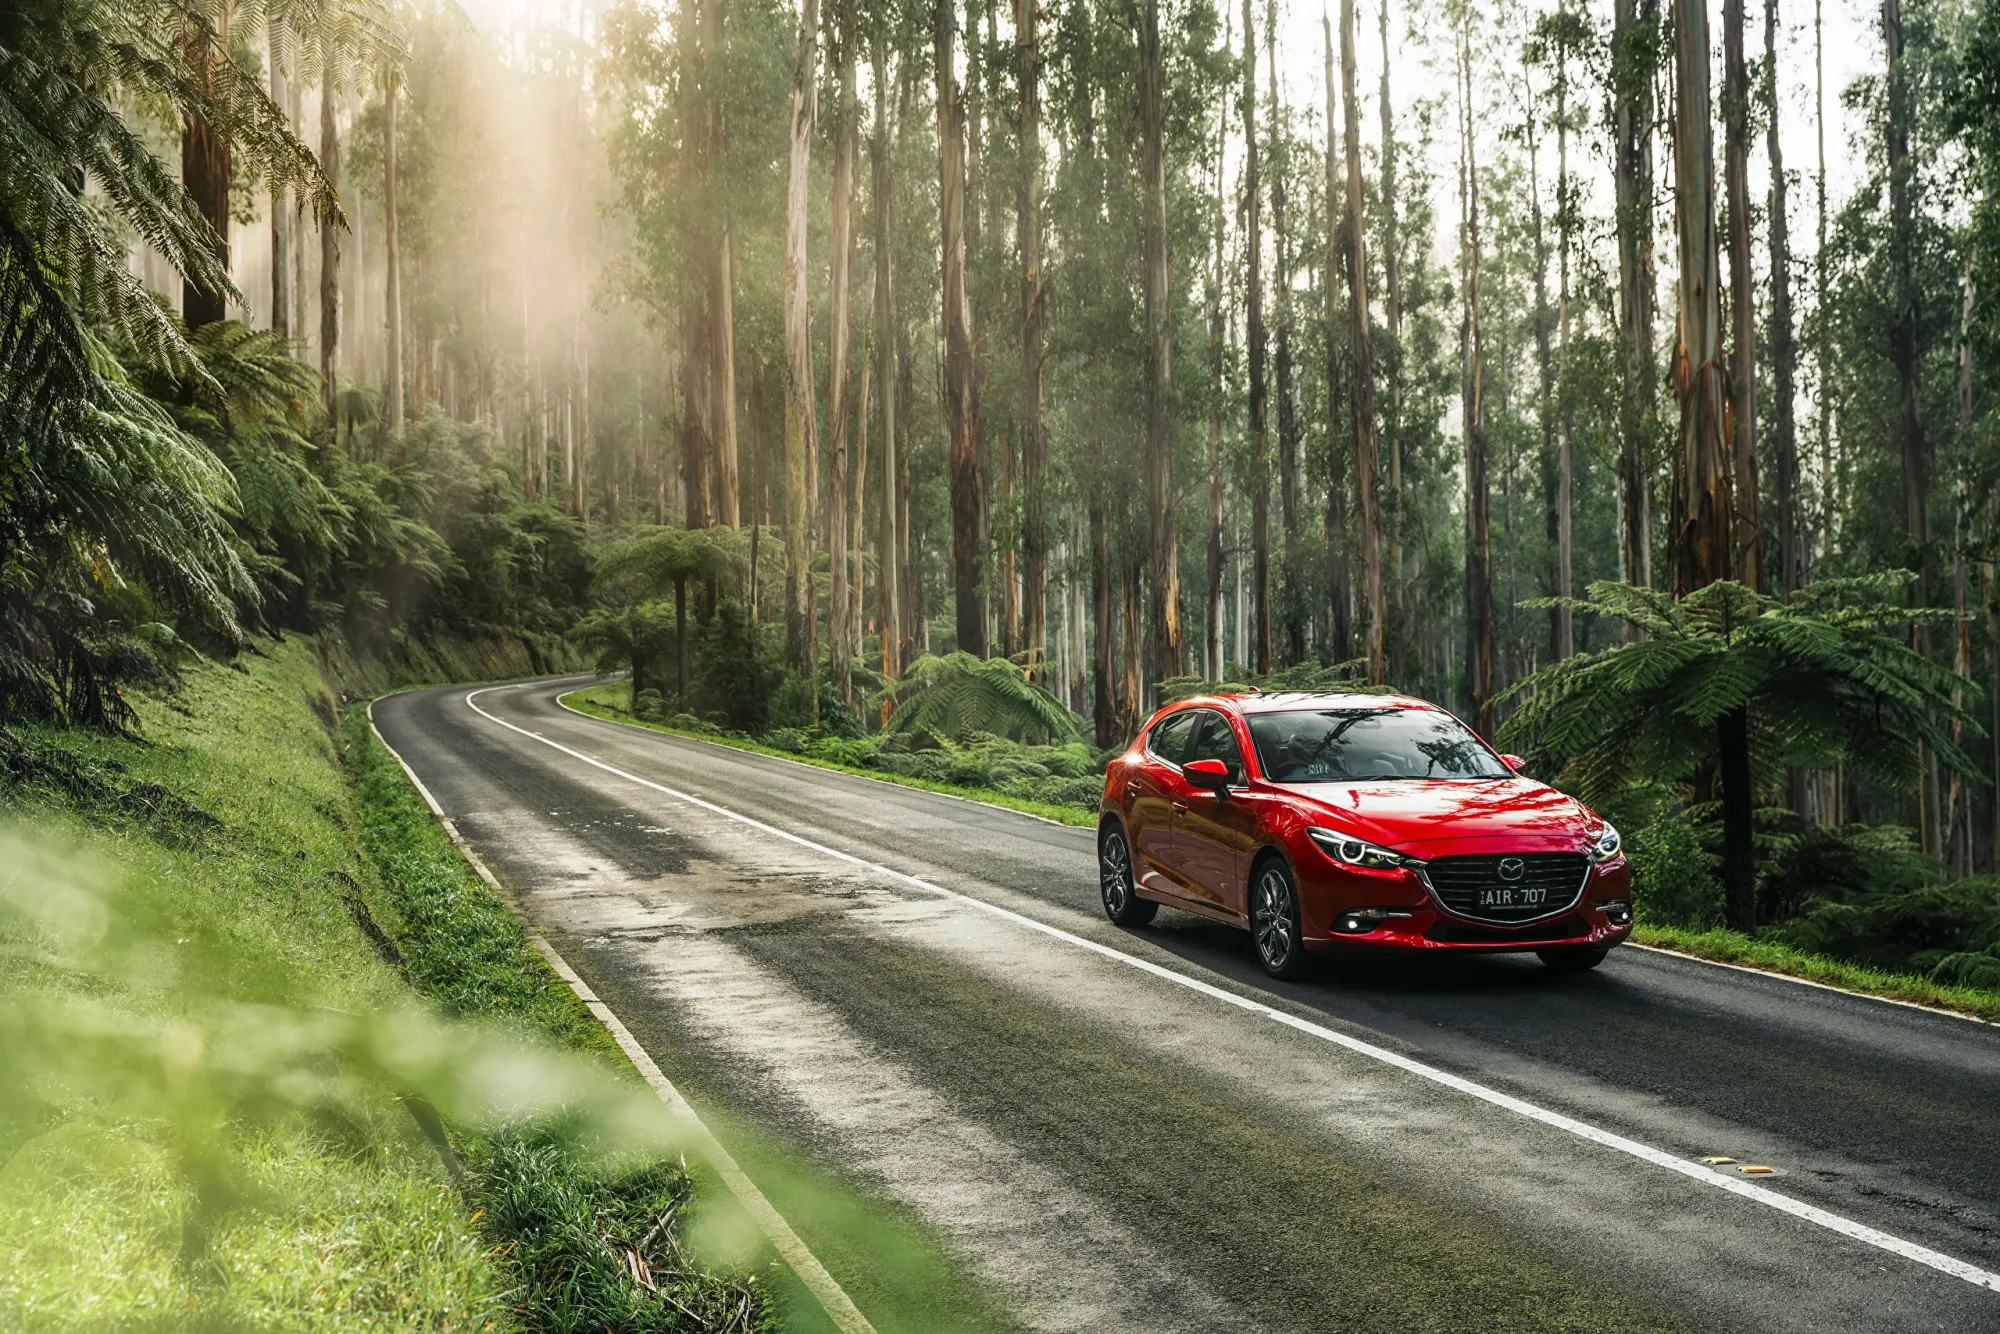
pixel 1328 894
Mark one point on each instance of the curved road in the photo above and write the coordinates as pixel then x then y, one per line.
pixel 1462 1144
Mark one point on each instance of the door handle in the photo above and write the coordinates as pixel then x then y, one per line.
pixel 1131 790
pixel 1180 809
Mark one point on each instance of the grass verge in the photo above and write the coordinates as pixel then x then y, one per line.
pixel 608 702
pixel 463 947
pixel 1723 946
pixel 202 877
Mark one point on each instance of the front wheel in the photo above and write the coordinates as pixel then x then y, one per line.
pixel 1274 921
pixel 1572 960
pixel 1122 903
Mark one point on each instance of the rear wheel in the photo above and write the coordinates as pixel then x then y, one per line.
pixel 1573 960
pixel 1122 903
pixel 1274 920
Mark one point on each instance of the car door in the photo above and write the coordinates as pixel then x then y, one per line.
pixel 1216 832
pixel 1153 787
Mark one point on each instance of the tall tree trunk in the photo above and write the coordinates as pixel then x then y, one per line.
pixel 1823 351
pixel 281 196
pixel 801 429
pixel 1702 501
pixel 295 93
pixel 1545 368
pixel 845 139
pixel 1211 658
pixel 1260 436
pixel 1361 351
pixel 205 175
pixel 857 506
pixel 329 251
pixel 1034 438
pixel 1783 339
pixel 1908 431
pixel 1339 577
pixel 961 393
pixel 1749 542
pixel 1291 603
pixel 1392 413
pixel 721 267
pixel 1164 637
pixel 697 277
pixel 392 408
pixel 1635 40
pixel 1565 425
pixel 1478 550
pixel 888 584
pixel 1103 708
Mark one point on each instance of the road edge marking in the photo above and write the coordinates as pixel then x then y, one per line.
pixel 839 1307
pixel 1810 982
pixel 1693 1171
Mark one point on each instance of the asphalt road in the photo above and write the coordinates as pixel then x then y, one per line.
pixel 1115 1150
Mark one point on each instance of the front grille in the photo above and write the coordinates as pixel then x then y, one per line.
pixel 1548 883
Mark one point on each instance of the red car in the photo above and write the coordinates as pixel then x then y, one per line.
pixel 1360 822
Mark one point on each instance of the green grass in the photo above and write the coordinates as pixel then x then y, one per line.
pixel 1768 956
pixel 610 702
pixel 327 1224
pixel 463 947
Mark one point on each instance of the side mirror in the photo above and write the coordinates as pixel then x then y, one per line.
pixel 1211 774
pixel 1514 762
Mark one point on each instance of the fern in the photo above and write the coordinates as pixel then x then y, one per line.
pixel 959 695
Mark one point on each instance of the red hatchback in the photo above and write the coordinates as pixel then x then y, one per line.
pixel 1364 822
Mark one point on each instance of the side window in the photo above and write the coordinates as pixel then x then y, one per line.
pixel 1170 736
pixel 1216 740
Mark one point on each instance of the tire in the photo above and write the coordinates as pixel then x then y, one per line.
pixel 1274 920
pixel 1122 903
pixel 1576 959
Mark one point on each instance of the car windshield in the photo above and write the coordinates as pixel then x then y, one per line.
pixel 1338 745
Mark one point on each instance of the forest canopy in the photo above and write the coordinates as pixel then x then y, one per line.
pixel 803 360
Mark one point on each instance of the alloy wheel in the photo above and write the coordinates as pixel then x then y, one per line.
pixel 1273 921
pixel 1114 869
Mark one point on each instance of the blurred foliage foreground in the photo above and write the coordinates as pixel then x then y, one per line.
pixel 222 1105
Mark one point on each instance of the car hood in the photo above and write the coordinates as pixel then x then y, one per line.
pixel 1421 816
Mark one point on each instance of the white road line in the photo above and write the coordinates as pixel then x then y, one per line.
pixel 795 1253
pixel 1697 1172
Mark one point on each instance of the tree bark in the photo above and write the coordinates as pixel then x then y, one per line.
pixel 1545 368
pixel 392 410
pixel 1635 39
pixel 1164 636
pixel 1392 412
pixel 1291 605
pixel 845 139
pixel 205 167
pixel 801 428
pixel 1211 658
pixel 888 583
pixel 1361 352
pixel 1034 438
pixel 1783 338
pixel 1478 551
pixel 1103 708
pixel 1748 563
pixel 281 196
pixel 721 263
pixel 1908 431
pixel 329 252
pixel 1702 501
pixel 1339 577
pixel 1260 482
pixel 961 392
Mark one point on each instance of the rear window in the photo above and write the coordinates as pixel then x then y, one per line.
pixel 1347 744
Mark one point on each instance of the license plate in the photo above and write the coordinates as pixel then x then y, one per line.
pixel 1512 898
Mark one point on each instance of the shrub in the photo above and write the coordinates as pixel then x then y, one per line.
pixel 1894 931
pixel 1674 875
pixel 649 705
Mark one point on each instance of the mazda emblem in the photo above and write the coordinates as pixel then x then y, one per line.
pixel 1512 868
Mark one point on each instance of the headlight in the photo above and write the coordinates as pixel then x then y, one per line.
pixel 1607 846
pixel 1354 852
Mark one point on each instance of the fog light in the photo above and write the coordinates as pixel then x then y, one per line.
pixel 1360 921
pixel 1617 911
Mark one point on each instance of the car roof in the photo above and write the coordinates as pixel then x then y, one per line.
pixel 1282 701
